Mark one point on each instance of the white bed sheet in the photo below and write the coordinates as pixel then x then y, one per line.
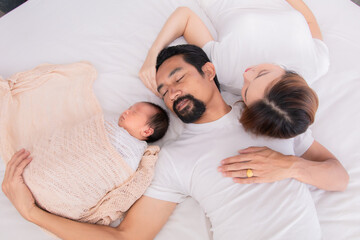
pixel 115 36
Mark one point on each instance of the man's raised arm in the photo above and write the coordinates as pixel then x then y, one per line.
pixel 182 22
pixel 143 221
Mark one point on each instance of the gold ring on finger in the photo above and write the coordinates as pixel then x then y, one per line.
pixel 249 173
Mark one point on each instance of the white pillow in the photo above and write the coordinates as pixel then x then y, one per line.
pixel 249 36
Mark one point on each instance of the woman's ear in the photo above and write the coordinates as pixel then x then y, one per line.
pixel 209 70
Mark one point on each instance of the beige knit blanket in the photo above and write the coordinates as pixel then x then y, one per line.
pixel 75 172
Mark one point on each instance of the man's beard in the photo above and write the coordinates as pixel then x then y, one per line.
pixel 192 111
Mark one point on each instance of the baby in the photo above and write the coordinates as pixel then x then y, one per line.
pixel 141 123
pixel 83 168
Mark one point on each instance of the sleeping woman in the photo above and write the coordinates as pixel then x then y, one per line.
pixel 278 102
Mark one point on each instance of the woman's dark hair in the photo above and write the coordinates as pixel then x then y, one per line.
pixel 191 54
pixel 159 122
pixel 287 109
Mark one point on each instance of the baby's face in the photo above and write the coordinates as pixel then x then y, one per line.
pixel 134 119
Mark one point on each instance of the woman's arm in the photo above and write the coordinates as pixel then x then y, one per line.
pixel 300 6
pixel 143 221
pixel 182 22
pixel 317 167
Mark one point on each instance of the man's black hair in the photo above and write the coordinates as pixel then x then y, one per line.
pixel 191 54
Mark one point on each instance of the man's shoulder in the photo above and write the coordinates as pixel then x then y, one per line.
pixel 170 149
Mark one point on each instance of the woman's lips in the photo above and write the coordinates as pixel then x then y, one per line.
pixel 247 69
pixel 182 104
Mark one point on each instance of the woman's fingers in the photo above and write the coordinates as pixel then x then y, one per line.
pixel 252 150
pixel 237 166
pixel 238 158
pixel 240 174
pixel 249 180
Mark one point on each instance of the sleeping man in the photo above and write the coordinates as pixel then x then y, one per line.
pixel 280 209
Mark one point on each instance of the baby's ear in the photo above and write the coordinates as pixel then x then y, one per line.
pixel 148 131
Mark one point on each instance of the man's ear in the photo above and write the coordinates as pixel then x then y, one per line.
pixel 147 131
pixel 209 71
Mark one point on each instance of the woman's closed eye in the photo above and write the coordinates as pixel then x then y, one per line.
pixel 262 73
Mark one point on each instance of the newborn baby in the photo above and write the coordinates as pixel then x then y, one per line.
pixel 141 123
pixel 83 168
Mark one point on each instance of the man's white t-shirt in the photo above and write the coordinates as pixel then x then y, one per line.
pixel 188 167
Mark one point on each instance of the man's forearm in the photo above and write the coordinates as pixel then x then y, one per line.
pixel 173 28
pixel 72 230
pixel 183 22
pixel 328 175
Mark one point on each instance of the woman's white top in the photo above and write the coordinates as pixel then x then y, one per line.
pixel 265 36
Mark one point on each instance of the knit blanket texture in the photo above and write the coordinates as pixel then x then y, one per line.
pixel 53 112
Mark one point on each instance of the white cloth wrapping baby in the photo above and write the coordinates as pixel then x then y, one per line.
pixel 75 172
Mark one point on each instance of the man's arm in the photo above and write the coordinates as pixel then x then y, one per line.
pixel 143 221
pixel 182 22
pixel 300 6
pixel 317 167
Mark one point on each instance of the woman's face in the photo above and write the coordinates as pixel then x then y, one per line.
pixel 257 79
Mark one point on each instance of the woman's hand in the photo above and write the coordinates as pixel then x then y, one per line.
pixel 14 187
pixel 147 73
pixel 266 164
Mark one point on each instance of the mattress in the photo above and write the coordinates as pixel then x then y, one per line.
pixel 115 36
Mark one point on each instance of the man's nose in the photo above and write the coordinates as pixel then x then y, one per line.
pixel 174 93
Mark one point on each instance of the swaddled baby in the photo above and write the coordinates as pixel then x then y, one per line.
pixel 141 123
pixel 84 167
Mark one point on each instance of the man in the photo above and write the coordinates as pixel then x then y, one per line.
pixel 188 167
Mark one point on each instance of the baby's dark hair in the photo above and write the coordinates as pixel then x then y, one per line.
pixel 159 122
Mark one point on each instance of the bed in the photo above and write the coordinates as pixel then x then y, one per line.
pixel 115 36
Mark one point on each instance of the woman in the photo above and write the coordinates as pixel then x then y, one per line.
pixel 278 104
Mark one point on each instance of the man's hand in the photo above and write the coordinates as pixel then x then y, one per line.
pixel 14 187
pixel 147 73
pixel 266 164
